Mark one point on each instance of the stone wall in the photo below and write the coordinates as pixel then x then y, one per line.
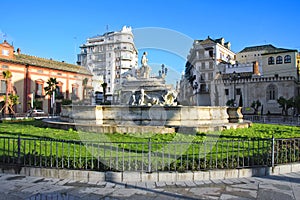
pixel 190 116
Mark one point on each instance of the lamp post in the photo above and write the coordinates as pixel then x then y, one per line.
pixel 235 76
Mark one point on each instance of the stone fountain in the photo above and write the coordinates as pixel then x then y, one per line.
pixel 148 110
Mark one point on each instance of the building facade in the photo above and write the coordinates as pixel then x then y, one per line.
pixel 264 73
pixel 108 56
pixel 201 69
pixel 30 75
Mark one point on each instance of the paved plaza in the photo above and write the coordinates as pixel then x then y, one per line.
pixel 279 187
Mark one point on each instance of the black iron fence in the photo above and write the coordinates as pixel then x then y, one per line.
pixel 274 119
pixel 147 156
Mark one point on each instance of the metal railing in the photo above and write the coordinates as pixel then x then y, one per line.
pixel 288 120
pixel 147 156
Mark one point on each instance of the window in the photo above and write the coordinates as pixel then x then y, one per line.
pixel 226 92
pixel 238 91
pixel 271 61
pixel 211 65
pixel 74 92
pixel 203 65
pixel 278 60
pixel 59 74
pixel 39 89
pixel 211 54
pixel 287 59
pixel 3 87
pixel 210 76
pixel 271 92
pixel 4 67
pixel 5 52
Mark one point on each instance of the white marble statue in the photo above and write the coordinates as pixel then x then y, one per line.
pixel 144 60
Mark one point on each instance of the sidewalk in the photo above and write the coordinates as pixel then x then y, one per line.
pixel 269 187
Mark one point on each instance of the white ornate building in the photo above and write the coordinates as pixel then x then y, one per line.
pixel 201 69
pixel 108 56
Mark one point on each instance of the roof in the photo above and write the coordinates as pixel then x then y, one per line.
pixel 47 63
pixel 209 40
pixel 266 48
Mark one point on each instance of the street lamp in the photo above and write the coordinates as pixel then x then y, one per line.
pixel 235 76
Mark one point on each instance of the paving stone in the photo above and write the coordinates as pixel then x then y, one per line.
pixel 199 183
pixel 150 185
pixel 180 184
pixel 32 179
pixel 214 191
pixel 227 181
pixel 207 181
pixel 101 183
pixel 170 183
pixel 216 181
pixel 250 186
pixel 141 185
pixel 160 184
pixel 190 183
pixel 119 186
pixel 232 197
pixel 246 193
pixel 63 182
pixel 103 191
pixel 274 195
pixel 130 185
pixel 124 193
pixel 110 185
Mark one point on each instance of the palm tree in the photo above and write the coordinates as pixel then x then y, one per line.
pixel 255 105
pixel 50 89
pixel 7 75
pixel 285 104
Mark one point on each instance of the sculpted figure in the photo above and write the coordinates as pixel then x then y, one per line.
pixel 144 60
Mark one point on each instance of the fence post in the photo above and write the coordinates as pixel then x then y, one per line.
pixel 19 150
pixel 273 153
pixel 149 155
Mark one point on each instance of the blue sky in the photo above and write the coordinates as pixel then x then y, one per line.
pixel 56 28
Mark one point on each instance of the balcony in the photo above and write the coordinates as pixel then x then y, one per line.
pixel 126 58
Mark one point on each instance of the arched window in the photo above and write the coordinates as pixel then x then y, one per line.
pixel 287 59
pixel 271 92
pixel 271 61
pixel 278 60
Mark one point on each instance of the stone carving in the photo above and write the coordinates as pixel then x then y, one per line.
pixel 144 60
pixel 145 70
pixel 170 98
pixel 141 99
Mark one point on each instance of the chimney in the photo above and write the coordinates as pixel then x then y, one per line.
pixel 18 51
pixel 256 68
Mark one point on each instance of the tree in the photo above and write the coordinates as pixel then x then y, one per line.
pixel 255 105
pixel 7 75
pixel 297 104
pixel 13 100
pixel 285 104
pixel 104 86
pixel 50 89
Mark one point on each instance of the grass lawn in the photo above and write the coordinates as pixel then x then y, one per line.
pixel 36 129
pixel 228 148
